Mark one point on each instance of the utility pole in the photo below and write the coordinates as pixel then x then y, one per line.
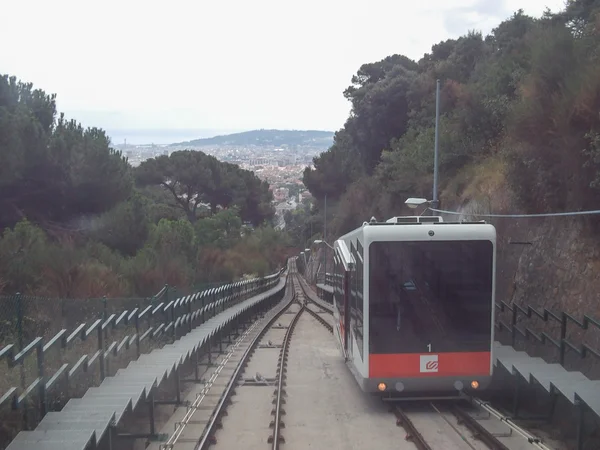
pixel 325 239
pixel 435 201
pixel 312 256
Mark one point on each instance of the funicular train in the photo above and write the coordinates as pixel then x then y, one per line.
pixel 414 305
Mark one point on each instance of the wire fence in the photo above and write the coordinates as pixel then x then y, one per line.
pixel 23 317
pixel 52 350
pixel 26 319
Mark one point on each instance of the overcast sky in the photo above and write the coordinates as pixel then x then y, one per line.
pixel 237 64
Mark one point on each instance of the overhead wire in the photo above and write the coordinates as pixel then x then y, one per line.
pixel 563 214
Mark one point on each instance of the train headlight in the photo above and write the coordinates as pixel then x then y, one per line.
pixel 381 387
pixel 474 384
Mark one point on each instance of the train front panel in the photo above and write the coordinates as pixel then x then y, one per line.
pixel 429 310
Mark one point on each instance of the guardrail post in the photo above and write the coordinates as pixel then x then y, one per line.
pixel 513 329
pixel 137 332
pixel 104 317
pixel 19 309
pixel 165 314
pixel 41 375
pixel 563 336
pixel 20 314
pixel 190 309
pixel 173 317
pixel 101 349
pixel 105 314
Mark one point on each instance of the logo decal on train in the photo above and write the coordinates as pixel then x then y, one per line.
pixel 429 363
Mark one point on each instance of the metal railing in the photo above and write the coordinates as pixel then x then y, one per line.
pixel 110 336
pixel 329 279
pixel 563 319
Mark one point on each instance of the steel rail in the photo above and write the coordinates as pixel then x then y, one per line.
pixel 321 320
pixel 276 438
pixel 533 440
pixel 478 430
pixel 313 313
pixel 323 305
pixel 462 436
pixel 211 426
pixel 180 426
pixel 412 434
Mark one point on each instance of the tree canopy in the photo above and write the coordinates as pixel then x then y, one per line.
pixel 53 170
pixel 73 223
pixel 526 96
pixel 195 179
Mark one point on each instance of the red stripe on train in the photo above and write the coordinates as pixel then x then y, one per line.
pixel 429 364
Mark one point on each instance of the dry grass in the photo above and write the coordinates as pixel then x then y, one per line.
pixel 483 182
pixel 88 279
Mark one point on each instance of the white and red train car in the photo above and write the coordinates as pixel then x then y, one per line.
pixel 414 305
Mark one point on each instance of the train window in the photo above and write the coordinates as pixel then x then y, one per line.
pixel 430 296
pixel 352 288
pixel 357 311
pixel 338 288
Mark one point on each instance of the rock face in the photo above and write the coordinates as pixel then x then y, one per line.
pixel 550 263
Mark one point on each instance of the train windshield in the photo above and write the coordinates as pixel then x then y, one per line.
pixel 430 296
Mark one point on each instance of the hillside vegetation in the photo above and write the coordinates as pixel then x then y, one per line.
pixel 269 138
pixel 520 123
pixel 76 220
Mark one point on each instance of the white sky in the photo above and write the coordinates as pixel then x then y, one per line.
pixel 236 64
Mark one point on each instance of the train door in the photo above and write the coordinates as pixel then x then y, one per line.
pixel 339 294
pixel 344 271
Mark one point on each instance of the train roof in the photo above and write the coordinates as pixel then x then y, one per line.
pixel 417 220
pixel 411 224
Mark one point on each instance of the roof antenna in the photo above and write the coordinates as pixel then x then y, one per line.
pixel 373 220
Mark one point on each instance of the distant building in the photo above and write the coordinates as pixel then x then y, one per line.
pixel 303 195
pixel 280 194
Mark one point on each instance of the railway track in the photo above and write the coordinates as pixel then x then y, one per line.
pixel 469 429
pixel 462 430
pixel 246 394
pixel 277 424
pixel 199 426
